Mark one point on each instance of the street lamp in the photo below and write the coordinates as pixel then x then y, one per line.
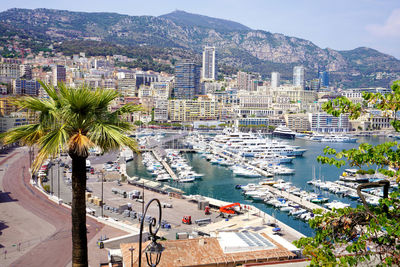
pixel 153 250
pixel 102 200
pixel 131 250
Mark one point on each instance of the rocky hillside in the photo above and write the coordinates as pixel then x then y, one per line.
pixel 238 45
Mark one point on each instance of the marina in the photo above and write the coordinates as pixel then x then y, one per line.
pixel 219 181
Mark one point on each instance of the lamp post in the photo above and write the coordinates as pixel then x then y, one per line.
pixel 58 176
pixel 102 195
pixel 52 177
pixel 153 250
pixel 131 250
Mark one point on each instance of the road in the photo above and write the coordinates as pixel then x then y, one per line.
pixel 56 248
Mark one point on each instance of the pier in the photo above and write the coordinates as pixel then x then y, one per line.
pixel 301 202
pixel 165 165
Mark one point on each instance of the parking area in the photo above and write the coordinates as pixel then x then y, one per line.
pixel 173 215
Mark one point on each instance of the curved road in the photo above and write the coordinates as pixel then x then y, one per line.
pixel 56 250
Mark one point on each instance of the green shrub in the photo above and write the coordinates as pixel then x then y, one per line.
pixel 46 187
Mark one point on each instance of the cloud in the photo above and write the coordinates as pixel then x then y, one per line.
pixel 391 28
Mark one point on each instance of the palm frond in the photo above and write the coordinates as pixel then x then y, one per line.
pixel 33 103
pixel 105 97
pixel 127 109
pixel 50 145
pixel 26 134
pixel 50 90
pixel 110 137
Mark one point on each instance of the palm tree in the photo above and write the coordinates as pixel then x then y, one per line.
pixel 74 120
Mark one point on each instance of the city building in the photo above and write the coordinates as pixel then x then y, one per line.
pixel 324 78
pixel 209 71
pixel 326 123
pixel 315 84
pixel 9 71
pixel 246 122
pixel 161 89
pixel 298 122
pixel 380 122
pixel 12 121
pixel 6 106
pixel 59 74
pixel 298 76
pixel 161 110
pixel 25 87
pixel 247 81
pixel 145 78
pixel 275 79
pixel 203 108
pixel 187 80
pixel 25 71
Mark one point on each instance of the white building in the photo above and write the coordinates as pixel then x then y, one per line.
pixel 275 79
pixel 298 76
pixel 326 123
pixel 161 110
pixel 209 71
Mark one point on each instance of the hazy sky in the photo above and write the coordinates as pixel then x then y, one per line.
pixel 337 24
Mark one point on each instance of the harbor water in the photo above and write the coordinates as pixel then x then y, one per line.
pixel 219 182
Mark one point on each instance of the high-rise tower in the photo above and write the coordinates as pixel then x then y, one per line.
pixel 187 80
pixel 298 76
pixel 209 71
pixel 275 79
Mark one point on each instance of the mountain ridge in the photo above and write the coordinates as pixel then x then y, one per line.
pixel 237 44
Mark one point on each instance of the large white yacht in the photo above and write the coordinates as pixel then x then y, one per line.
pixel 338 139
pixel 284 132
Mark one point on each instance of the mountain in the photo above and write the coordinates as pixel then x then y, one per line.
pixel 186 19
pixel 180 34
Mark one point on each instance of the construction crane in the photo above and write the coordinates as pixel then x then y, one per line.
pixel 229 209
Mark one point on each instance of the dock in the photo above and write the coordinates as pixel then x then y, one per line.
pixel 165 165
pixel 301 202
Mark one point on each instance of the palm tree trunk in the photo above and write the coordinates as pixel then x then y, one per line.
pixel 78 212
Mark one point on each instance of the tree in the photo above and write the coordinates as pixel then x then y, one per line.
pixel 366 234
pixel 74 120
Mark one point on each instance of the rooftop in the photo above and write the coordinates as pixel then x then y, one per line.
pixel 208 251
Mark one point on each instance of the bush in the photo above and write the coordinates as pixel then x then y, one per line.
pixel 46 188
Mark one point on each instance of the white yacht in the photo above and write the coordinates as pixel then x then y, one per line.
pixel 284 132
pixel 338 139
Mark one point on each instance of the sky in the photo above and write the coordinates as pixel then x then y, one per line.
pixel 337 24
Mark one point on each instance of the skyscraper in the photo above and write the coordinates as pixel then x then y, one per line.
pixel 209 71
pixel 324 78
pixel 187 80
pixel 275 79
pixel 59 74
pixel 298 76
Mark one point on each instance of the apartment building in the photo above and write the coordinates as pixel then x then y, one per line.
pixel 298 122
pixel 203 108
pixel 326 123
